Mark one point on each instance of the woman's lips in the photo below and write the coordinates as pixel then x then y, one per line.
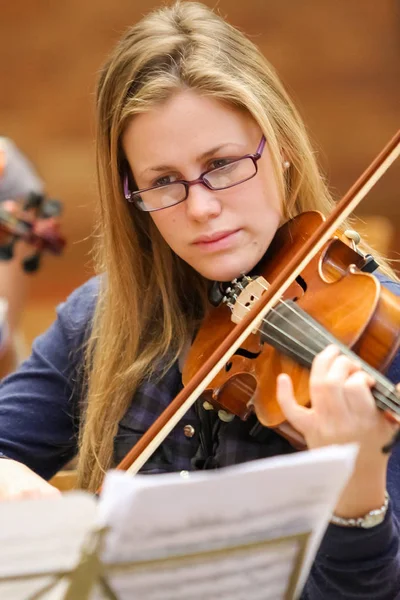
pixel 217 241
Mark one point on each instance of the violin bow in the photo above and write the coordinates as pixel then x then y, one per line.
pixel 171 416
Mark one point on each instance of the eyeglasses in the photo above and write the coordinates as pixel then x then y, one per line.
pixel 233 173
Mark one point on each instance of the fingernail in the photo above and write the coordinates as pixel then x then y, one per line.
pixel 332 349
pixel 370 380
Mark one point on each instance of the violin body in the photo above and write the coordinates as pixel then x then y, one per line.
pixel 332 301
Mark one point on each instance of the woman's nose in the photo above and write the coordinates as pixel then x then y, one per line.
pixel 202 203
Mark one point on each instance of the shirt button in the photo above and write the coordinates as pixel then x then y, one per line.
pixel 189 431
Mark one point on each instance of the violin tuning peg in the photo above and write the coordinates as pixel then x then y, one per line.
pixel 32 263
pixel 207 405
pixel 354 236
pixel 225 416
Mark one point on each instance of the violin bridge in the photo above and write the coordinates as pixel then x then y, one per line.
pixel 242 300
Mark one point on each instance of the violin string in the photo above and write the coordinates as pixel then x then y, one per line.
pixel 273 310
pixel 385 401
pixel 373 372
pixel 293 324
pixel 297 314
pixel 237 381
pixel 389 398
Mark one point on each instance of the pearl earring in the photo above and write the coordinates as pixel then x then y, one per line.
pixel 286 165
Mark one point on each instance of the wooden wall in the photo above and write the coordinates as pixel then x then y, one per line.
pixel 340 61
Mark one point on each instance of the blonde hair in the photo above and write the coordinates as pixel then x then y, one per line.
pixel 150 300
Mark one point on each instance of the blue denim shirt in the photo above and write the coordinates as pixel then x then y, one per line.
pixel 39 417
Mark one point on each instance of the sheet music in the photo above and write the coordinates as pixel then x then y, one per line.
pixel 185 536
pixel 42 536
pixel 245 575
pixel 158 517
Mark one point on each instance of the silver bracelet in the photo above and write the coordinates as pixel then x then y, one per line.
pixel 371 519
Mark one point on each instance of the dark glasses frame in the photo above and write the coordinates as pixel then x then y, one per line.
pixel 134 196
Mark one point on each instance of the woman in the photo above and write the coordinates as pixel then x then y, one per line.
pixel 186 97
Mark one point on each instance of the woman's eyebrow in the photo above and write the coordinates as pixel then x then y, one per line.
pixel 213 150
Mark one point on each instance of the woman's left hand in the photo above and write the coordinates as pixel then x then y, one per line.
pixel 342 407
pixel 343 410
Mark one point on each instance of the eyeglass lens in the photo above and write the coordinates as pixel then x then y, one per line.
pixel 223 177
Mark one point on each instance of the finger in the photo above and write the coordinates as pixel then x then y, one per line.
pixel 297 415
pixel 365 414
pixel 359 399
pixel 319 371
pixel 332 363
pixel 341 370
pixel 323 361
pixel 42 492
pixel 342 367
pixel 326 386
pixel 392 418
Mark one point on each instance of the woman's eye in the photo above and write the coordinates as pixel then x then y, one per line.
pixel 220 162
pixel 165 180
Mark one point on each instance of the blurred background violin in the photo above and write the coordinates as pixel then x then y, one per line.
pixel 36 221
pixel 25 211
pixel 29 227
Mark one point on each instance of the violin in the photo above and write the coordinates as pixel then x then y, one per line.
pixel 35 221
pixel 333 300
pixel 310 290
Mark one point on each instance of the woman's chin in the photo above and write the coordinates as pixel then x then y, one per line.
pixel 224 272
